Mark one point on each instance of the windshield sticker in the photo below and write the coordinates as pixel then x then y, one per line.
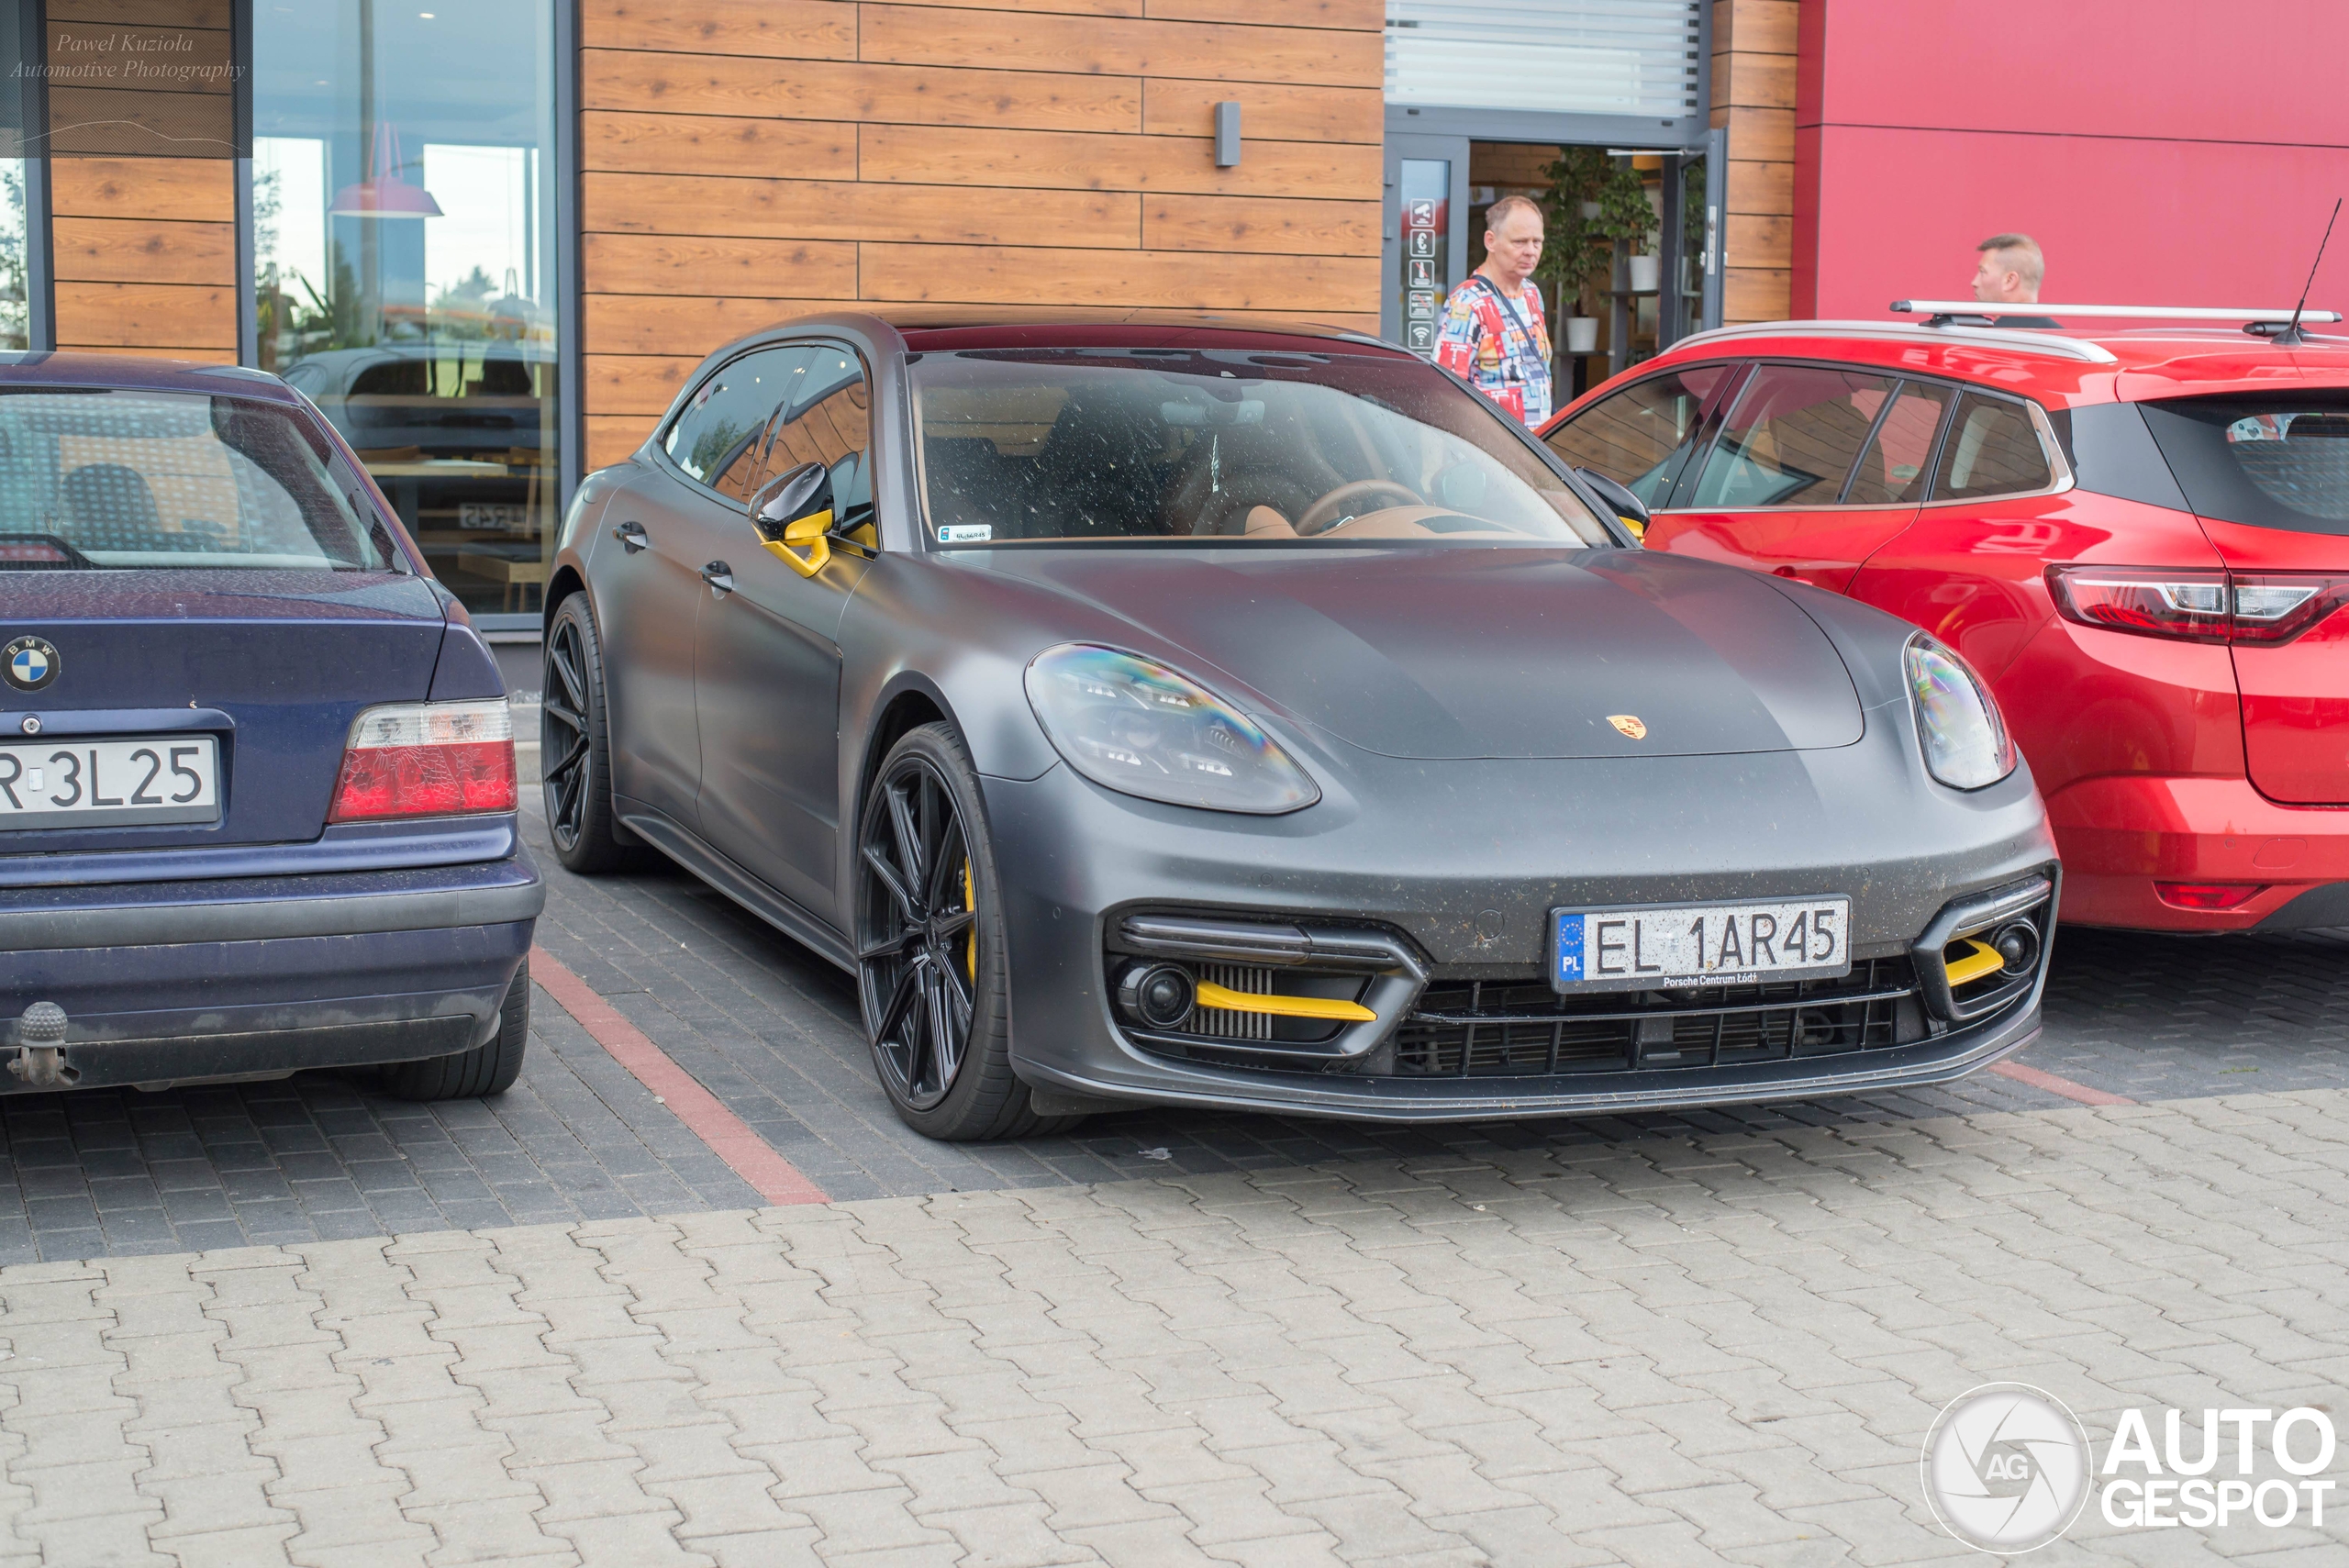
pixel 965 533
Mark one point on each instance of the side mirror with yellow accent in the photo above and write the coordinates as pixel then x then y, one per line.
pixel 793 511
pixel 1620 501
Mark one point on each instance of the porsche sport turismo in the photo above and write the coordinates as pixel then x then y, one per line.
pixel 1162 710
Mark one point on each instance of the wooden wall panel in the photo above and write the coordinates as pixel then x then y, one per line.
pixel 1072 161
pixel 954 35
pixel 1247 223
pixel 816 209
pixel 748 160
pixel 788 29
pixel 695 144
pixel 161 318
pixel 1266 111
pixel 116 249
pixel 1002 274
pixel 835 90
pixel 1754 98
pixel 146 253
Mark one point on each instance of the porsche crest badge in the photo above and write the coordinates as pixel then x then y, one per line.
pixel 1629 724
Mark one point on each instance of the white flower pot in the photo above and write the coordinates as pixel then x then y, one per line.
pixel 1589 211
pixel 1582 334
pixel 1647 274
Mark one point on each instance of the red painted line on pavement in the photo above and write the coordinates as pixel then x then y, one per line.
pixel 730 1138
pixel 2054 1085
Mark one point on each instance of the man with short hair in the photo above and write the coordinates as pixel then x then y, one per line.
pixel 2009 274
pixel 1493 334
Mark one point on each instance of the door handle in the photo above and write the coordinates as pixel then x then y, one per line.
pixel 720 578
pixel 632 537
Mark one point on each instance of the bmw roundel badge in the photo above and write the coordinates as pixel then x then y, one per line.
pixel 29 662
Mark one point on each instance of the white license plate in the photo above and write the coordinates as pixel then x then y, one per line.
pixel 1667 946
pixel 73 783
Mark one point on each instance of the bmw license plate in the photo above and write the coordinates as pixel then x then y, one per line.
pixel 75 783
pixel 1667 946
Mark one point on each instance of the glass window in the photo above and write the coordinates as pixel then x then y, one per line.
pixel 1992 449
pixel 1634 436
pixel 405 269
pixel 158 479
pixel 1224 445
pixel 2274 461
pixel 716 437
pixel 829 421
pixel 1792 440
pixel 20 52
pixel 1892 470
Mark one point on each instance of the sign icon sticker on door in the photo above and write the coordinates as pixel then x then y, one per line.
pixel 1422 336
pixel 1422 242
pixel 1423 273
pixel 1422 306
pixel 1423 215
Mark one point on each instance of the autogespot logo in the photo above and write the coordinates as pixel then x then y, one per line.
pixel 2005 1467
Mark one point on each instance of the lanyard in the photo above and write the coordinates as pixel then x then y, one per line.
pixel 1511 305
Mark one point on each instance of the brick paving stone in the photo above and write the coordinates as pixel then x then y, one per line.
pixel 1352 1363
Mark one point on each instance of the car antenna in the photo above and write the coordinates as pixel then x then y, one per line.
pixel 2291 336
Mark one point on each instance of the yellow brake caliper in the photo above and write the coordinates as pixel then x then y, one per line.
pixel 971 901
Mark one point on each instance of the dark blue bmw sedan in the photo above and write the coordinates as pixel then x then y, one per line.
pixel 257 785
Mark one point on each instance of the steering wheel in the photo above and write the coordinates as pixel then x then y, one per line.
pixel 1324 514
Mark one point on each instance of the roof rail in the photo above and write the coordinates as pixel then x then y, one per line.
pixel 2013 339
pixel 2258 322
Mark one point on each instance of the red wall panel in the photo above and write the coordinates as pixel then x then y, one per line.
pixel 2122 222
pixel 2195 70
pixel 2162 151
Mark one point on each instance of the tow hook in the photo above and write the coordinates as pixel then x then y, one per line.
pixel 40 1048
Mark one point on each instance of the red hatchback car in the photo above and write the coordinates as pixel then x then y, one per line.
pixel 2140 540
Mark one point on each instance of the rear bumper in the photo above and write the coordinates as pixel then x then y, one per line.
pixel 176 981
pixel 2119 834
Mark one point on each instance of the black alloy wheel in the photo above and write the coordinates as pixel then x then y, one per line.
pixel 918 957
pixel 575 745
pixel 930 949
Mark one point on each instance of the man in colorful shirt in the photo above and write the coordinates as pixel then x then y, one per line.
pixel 1492 330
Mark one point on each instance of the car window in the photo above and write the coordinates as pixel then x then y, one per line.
pixel 1792 439
pixel 829 421
pixel 2277 461
pixel 1993 448
pixel 1225 446
pixel 715 436
pixel 1634 436
pixel 134 479
pixel 1892 469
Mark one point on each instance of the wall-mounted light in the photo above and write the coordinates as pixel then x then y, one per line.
pixel 1227 136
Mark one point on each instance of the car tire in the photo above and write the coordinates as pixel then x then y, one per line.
pixel 925 866
pixel 575 747
pixel 472 1075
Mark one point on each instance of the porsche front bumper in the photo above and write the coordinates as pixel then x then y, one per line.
pixel 1460 862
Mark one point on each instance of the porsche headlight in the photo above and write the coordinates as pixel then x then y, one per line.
pixel 1966 745
pixel 1141 728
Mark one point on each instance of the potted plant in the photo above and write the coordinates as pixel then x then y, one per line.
pixel 1594 201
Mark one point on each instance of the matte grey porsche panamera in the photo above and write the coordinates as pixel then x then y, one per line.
pixel 1160 710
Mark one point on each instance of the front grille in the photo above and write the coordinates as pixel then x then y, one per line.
pixel 1229 1023
pixel 1521 1028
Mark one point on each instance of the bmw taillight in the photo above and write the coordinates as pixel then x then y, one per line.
pixel 432 759
pixel 2258 607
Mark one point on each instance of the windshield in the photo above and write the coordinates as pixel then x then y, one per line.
pixel 2276 461
pixel 104 479
pixel 1180 446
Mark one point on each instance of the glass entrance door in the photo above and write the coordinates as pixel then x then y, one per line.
pixel 1426 230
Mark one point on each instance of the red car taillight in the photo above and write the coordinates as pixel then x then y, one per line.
pixel 439 758
pixel 2196 607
